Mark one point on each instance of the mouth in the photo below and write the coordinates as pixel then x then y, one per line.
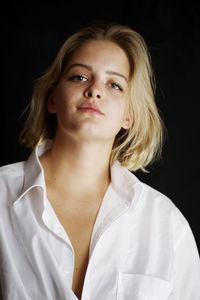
pixel 90 109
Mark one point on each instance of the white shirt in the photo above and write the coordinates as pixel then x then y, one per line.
pixel 142 246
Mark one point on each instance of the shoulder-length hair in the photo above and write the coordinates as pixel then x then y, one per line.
pixel 136 147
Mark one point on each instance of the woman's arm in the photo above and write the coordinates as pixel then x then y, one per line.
pixel 187 267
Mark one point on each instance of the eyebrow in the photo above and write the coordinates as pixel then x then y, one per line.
pixel 90 69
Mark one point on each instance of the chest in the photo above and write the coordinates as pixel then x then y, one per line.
pixel 125 245
pixel 78 223
pixel 79 234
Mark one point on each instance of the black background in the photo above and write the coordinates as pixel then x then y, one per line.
pixel 32 33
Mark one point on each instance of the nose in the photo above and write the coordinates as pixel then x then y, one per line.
pixel 93 91
pixel 93 94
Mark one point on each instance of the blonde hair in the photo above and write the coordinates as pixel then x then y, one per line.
pixel 136 147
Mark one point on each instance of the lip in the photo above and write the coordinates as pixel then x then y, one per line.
pixel 90 108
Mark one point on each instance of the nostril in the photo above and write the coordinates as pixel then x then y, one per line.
pixel 92 94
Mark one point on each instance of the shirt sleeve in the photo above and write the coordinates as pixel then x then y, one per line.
pixel 187 267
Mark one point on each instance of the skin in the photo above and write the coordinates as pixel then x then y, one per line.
pixel 95 59
pixel 84 139
pixel 97 75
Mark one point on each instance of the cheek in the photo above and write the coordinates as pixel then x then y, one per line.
pixel 61 101
pixel 68 97
pixel 118 108
pixel 123 115
pixel 117 117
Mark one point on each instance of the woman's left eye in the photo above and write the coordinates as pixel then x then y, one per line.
pixel 116 86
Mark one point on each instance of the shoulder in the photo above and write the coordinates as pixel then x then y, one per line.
pixel 149 196
pixel 12 171
pixel 160 213
pixel 11 180
pixel 153 205
pixel 161 202
pixel 163 213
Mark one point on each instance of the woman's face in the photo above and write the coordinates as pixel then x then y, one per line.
pixel 91 98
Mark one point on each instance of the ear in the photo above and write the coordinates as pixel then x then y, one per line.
pixel 128 122
pixel 51 106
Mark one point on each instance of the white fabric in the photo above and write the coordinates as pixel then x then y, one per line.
pixel 142 247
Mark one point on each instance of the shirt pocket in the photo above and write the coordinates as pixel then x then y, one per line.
pixel 143 287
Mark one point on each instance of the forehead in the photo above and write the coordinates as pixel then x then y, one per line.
pixel 102 53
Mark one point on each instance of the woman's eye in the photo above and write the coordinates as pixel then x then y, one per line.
pixel 78 78
pixel 116 86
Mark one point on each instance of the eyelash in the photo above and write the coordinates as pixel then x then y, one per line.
pixel 114 85
pixel 79 77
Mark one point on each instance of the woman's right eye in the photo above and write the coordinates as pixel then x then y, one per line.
pixel 78 78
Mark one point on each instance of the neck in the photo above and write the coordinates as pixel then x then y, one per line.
pixel 81 168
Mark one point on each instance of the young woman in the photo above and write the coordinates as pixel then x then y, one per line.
pixel 75 222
